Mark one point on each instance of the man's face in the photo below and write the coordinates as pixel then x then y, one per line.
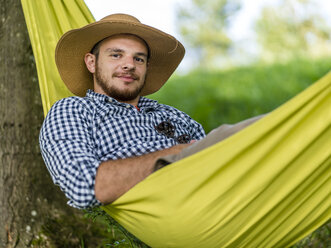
pixel 121 67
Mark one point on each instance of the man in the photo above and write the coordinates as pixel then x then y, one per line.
pixel 99 146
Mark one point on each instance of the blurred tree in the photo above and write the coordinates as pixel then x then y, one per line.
pixel 203 26
pixel 292 28
pixel 28 198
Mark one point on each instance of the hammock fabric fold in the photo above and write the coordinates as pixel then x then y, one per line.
pixel 266 186
pixel 46 22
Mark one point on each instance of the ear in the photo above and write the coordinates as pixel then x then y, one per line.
pixel 90 62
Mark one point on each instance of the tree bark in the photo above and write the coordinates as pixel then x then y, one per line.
pixel 28 198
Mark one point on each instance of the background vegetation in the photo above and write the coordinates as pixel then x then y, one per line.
pixel 228 96
pixel 282 30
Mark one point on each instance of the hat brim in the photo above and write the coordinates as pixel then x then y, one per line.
pixel 166 53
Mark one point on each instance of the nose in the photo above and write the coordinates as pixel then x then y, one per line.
pixel 128 64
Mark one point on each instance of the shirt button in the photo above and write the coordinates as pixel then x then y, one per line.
pixel 127 106
pixel 110 100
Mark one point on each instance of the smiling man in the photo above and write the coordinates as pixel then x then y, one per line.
pixel 103 141
pixel 121 67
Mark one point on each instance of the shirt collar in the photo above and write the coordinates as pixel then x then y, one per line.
pixel 142 103
pixel 96 96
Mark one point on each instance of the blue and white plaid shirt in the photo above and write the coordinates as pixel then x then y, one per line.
pixel 80 133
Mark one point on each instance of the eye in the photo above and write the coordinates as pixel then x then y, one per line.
pixel 115 55
pixel 140 60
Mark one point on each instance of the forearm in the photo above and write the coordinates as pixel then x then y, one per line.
pixel 115 177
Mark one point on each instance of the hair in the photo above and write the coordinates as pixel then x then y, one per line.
pixel 96 48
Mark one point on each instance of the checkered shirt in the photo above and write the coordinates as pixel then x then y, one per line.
pixel 80 133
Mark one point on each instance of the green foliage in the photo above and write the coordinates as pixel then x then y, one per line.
pixel 94 229
pixel 292 28
pixel 203 25
pixel 121 237
pixel 216 97
pixel 283 30
pixel 72 231
pixel 320 238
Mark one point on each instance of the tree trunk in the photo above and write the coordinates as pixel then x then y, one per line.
pixel 30 205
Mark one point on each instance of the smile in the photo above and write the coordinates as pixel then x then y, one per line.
pixel 127 78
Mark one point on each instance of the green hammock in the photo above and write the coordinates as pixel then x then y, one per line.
pixel 266 186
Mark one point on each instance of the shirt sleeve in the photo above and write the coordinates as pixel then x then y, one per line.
pixel 197 131
pixel 68 151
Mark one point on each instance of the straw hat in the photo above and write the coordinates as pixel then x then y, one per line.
pixel 165 52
